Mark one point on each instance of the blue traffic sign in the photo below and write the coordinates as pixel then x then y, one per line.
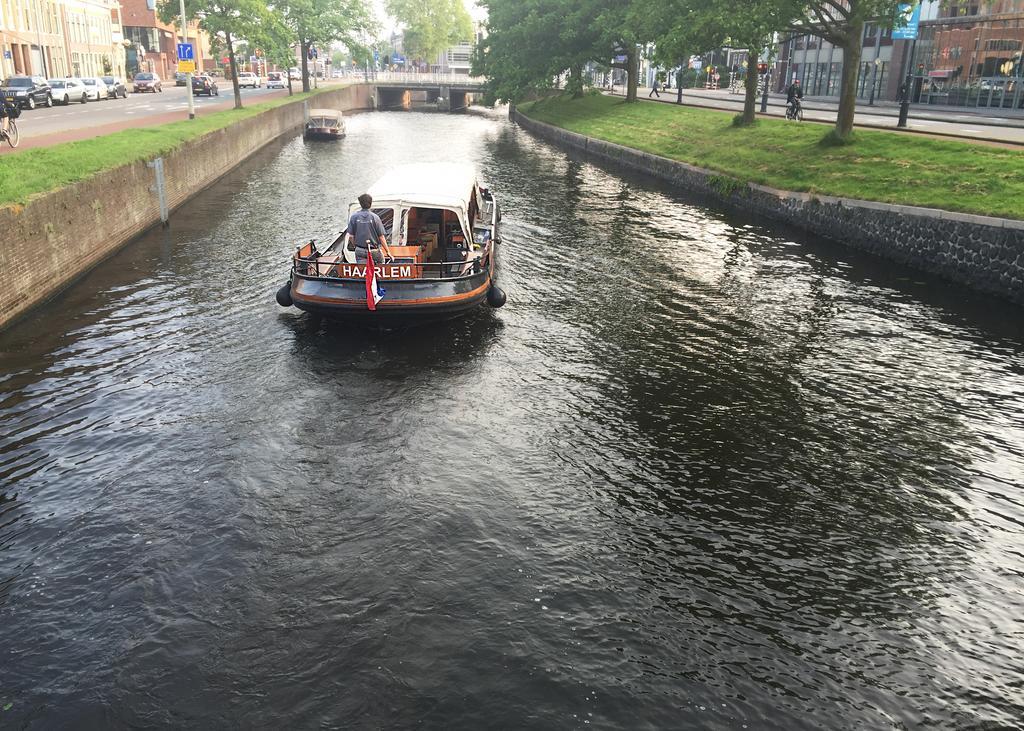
pixel 185 52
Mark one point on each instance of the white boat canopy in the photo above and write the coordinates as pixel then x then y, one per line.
pixel 328 113
pixel 430 185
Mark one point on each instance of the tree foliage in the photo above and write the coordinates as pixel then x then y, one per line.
pixel 226 20
pixel 431 26
pixel 318 23
pixel 530 43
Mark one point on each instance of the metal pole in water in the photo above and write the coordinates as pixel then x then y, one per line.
pixel 160 188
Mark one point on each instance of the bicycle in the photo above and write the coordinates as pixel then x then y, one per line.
pixel 11 135
pixel 795 110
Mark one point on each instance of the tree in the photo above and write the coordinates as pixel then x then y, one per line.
pixel 431 26
pixel 322 22
pixel 530 43
pixel 841 23
pixel 228 20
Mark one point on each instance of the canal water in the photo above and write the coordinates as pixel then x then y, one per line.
pixel 699 472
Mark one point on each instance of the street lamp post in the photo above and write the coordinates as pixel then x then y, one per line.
pixel 188 74
pixel 874 82
pixel 908 86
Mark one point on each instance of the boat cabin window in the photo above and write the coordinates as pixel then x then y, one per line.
pixel 437 230
pixel 387 217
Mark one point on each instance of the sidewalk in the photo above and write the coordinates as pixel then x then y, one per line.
pixel 934 112
pixel 928 121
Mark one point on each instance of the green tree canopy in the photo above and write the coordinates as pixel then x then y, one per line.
pixel 319 23
pixel 225 20
pixel 431 26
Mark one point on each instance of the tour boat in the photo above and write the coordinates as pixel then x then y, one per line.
pixel 442 230
pixel 324 124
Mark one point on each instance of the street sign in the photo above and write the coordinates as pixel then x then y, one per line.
pixel 908 18
pixel 186 52
pixel 187 67
pixel 7 54
pixel 696 62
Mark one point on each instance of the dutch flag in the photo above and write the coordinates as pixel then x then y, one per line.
pixel 374 292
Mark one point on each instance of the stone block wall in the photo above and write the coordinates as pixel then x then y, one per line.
pixel 981 252
pixel 60 235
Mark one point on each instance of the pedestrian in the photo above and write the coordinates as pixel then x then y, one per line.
pixel 367 232
pixel 654 90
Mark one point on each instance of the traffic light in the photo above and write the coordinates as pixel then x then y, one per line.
pixel 762 68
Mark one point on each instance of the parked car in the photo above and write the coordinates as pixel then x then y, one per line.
pixel 180 77
pixel 27 91
pixel 248 78
pixel 95 89
pixel 115 87
pixel 276 80
pixel 65 91
pixel 146 81
pixel 213 73
pixel 204 85
pixel 294 74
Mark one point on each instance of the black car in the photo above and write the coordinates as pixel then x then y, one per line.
pixel 115 87
pixel 180 78
pixel 27 91
pixel 204 85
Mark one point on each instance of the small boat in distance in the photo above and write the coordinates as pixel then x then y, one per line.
pixel 442 229
pixel 324 124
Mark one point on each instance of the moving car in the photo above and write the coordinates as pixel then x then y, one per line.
pixel 65 91
pixel 27 91
pixel 294 74
pixel 180 77
pixel 248 78
pixel 204 85
pixel 276 80
pixel 146 81
pixel 115 87
pixel 95 89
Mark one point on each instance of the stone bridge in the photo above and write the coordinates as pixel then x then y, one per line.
pixel 395 90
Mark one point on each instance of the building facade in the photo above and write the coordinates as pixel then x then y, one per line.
pixel 57 38
pixel 151 44
pixel 968 54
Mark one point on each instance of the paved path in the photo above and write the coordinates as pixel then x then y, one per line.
pixel 42 127
pixel 964 125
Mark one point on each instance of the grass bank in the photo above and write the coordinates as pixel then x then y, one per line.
pixel 38 170
pixel 881 166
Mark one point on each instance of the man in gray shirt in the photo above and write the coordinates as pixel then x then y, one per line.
pixel 368 233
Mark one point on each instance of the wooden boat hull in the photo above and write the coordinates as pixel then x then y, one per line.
pixel 406 301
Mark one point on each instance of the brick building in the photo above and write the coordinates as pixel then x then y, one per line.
pixel 152 44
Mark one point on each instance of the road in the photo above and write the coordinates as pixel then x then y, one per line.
pixel 967 126
pixel 42 126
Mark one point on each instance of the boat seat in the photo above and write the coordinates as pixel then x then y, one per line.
pixel 453 254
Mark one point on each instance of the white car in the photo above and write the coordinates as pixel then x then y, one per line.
pixel 276 80
pixel 95 89
pixel 294 74
pixel 65 91
pixel 248 78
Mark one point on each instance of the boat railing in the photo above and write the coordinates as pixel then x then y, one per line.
pixel 316 267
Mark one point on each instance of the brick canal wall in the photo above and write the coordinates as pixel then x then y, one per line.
pixel 60 235
pixel 984 253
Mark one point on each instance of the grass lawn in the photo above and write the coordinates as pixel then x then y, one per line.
pixel 880 166
pixel 41 169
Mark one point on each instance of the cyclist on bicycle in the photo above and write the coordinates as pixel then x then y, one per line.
pixel 6 112
pixel 793 96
